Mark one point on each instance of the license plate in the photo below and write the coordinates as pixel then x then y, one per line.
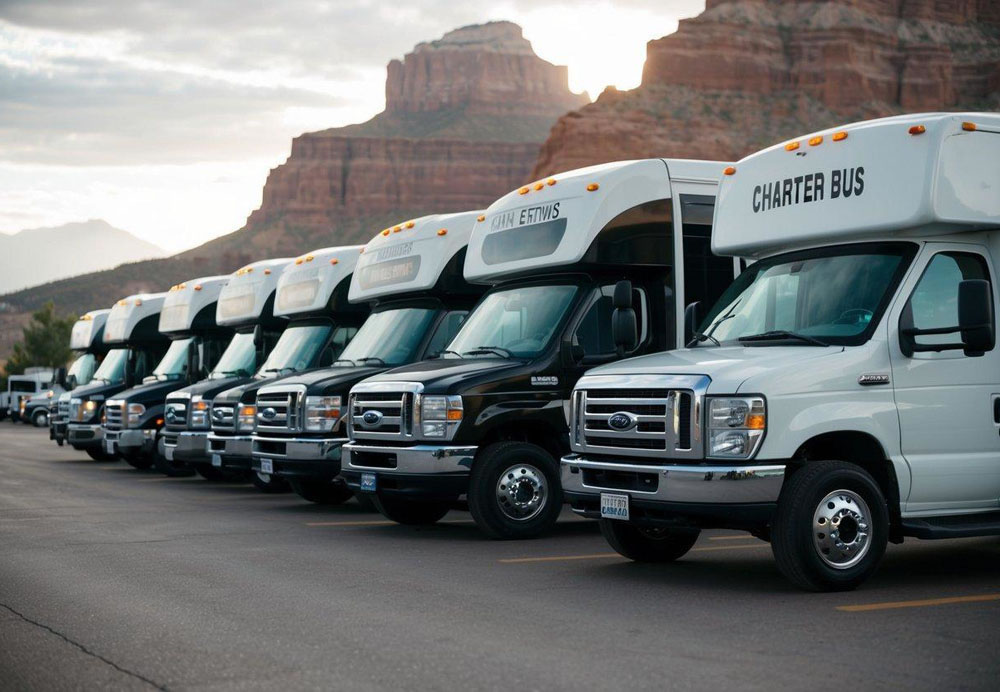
pixel 109 446
pixel 266 466
pixel 368 482
pixel 216 461
pixel 168 452
pixel 614 506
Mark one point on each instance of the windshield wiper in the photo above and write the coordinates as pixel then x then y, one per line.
pixel 443 351
pixel 698 337
pixel 229 373
pixel 345 360
pixel 781 334
pixel 497 350
pixel 280 370
pixel 368 358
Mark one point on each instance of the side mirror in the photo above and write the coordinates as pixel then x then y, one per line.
pixel 60 377
pixel 624 330
pixel 130 365
pixel 70 383
pixel 258 337
pixel 975 316
pixel 690 321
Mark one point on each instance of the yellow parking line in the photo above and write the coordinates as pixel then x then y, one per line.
pixel 605 556
pixel 384 522
pixel 733 537
pixel 892 605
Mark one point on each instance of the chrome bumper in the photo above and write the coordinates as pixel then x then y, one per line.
pixel 83 435
pixel 299 448
pixel 676 483
pixel 187 445
pixel 130 440
pixel 419 459
pixel 229 445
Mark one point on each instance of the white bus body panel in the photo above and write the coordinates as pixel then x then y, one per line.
pixel 410 257
pixel 243 298
pixel 127 313
pixel 878 180
pixel 306 284
pixel 185 300
pixel 86 329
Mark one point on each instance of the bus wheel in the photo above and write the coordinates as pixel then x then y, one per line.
pixel 410 512
pixel 831 526
pixel 644 544
pixel 514 490
pixel 333 492
pixel 268 482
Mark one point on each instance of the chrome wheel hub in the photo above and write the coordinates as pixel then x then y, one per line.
pixel 842 529
pixel 521 492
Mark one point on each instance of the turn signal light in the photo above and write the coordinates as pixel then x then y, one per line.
pixel 728 170
pixel 755 421
pixel 454 414
pixel 917 130
pixel 839 136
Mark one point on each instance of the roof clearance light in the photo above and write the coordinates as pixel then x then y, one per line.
pixel 197 287
pixel 550 182
pixel 397 229
pixel 267 271
pixel 917 130
pixel 593 187
pixel 336 261
pixel 791 146
pixel 728 170
pixel 523 191
pixel 410 224
pixel 539 186
pixel 249 269
pixel 309 258
pixel 298 261
pixel 815 141
pixel 385 232
pixel 481 218
pixel 123 302
pixel 839 136
pixel 443 231
pixel 969 127
pixel 138 302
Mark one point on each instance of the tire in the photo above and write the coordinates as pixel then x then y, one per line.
pixel 211 473
pixel 525 507
pixel 40 418
pixel 173 469
pixel 268 482
pixel 366 502
pixel 833 494
pixel 410 512
pixel 138 461
pixel 99 455
pixel 333 492
pixel 648 544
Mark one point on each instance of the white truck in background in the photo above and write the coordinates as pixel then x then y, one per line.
pixel 845 391
pixel 24 386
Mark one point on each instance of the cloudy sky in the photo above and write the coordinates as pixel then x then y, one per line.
pixel 164 116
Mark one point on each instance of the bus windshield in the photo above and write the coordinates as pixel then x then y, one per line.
pixel 389 338
pixel 296 349
pixel 174 363
pixel 112 368
pixel 82 369
pixel 239 358
pixel 514 322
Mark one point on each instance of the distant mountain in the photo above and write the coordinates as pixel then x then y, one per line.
pixel 40 255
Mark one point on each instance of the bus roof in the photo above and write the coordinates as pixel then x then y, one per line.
pixel 244 297
pixel 185 301
pixel 909 175
pixel 88 329
pixel 127 313
pixel 410 257
pixel 553 222
pixel 307 283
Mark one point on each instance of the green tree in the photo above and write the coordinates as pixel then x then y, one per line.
pixel 44 342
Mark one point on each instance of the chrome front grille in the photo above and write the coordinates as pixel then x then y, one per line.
pixel 280 410
pixel 384 411
pixel 114 412
pixel 62 411
pixel 175 415
pixel 223 418
pixel 654 422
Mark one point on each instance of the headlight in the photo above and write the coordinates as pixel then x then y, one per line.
pixel 22 405
pixel 439 416
pixel 199 412
pixel 736 427
pixel 84 410
pixel 322 413
pixel 247 418
pixel 135 412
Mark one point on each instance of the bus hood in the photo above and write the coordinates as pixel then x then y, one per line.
pixel 728 367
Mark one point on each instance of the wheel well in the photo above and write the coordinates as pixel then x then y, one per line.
pixel 865 451
pixel 555 442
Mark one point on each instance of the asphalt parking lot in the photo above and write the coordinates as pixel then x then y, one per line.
pixel 111 577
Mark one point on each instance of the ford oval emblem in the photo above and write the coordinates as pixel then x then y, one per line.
pixel 622 421
pixel 268 413
pixel 372 419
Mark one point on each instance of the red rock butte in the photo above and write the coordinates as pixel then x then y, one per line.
pixel 745 75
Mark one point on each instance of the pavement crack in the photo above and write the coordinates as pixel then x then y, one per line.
pixel 84 649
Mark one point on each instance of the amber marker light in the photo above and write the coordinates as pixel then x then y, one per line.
pixel 267 271
pixel 523 191
pixel 917 130
pixel 539 186
pixel 816 141
pixel 791 146
pixel 839 136
pixel 397 229
pixel 593 187
pixel 728 170
pixel 481 218
pixel 298 261
pixel 755 421
pixel 335 260
pixel 386 232
pixel 309 258
pixel 443 231
pixel 410 224
pixel 969 127
pixel 197 287
pixel 550 182
pixel 138 302
pixel 454 414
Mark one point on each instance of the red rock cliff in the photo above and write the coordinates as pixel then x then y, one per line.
pixel 743 75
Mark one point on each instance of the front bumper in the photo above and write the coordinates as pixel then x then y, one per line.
pixel 186 445
pixel 233 451
pixel 298 457
pixel 421 471
pixel 57 429
pixel 733 495
pixel 131 441
pixel 84 436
